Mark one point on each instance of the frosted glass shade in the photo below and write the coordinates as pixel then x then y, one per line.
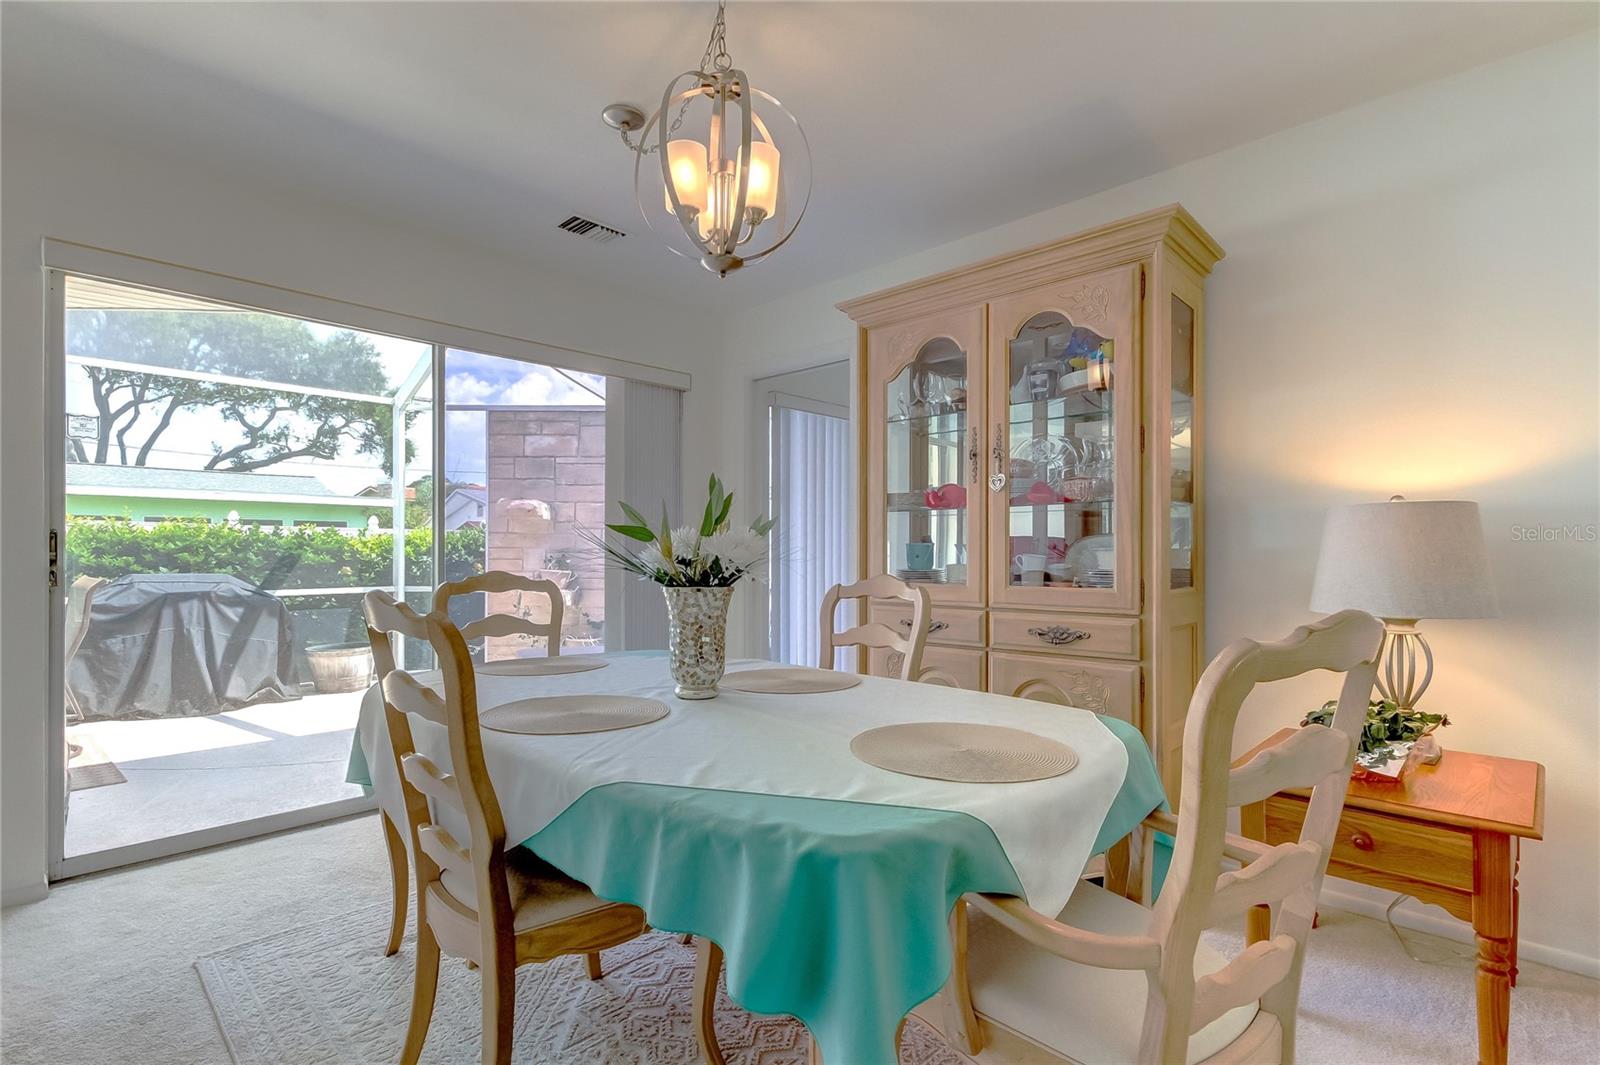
pixel 1406 559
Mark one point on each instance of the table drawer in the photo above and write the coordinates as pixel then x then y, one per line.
pixel 1432 854
pixel 947 625
pixel 1078 635
pixel 961 664
pixel 1110 688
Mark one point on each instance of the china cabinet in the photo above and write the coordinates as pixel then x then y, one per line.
pixel 1030 454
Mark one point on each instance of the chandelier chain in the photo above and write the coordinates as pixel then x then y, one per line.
pixel 716 58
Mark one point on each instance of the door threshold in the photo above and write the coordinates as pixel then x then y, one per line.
pixel 201 839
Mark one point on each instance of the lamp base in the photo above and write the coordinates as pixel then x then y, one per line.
pixel 1407 663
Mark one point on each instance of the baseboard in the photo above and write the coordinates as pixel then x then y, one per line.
pixel 1336 895
pixel 24 893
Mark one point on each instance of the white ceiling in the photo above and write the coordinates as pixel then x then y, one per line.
pixel 927 121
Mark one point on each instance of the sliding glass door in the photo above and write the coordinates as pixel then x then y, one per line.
pixel 233 481
pixel 525 463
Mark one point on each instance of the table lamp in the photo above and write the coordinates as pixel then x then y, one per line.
pixel 1402 561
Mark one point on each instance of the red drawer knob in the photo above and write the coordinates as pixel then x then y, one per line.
pixel 1361 841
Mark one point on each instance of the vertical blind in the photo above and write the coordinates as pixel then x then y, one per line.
pixel 810 474
pixel 647 422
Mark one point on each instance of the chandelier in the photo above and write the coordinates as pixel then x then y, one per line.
pixel 720 188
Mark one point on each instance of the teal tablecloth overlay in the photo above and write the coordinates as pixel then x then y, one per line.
pixel 833 911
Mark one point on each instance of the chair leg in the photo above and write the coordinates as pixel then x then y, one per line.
pixel 424 988
pixel 398 883
pixel 499 1009
pixel 707 965
pixel 961 1020
pixel 688 939
pixel 593 958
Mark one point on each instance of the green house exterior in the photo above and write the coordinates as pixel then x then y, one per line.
pixel 143 493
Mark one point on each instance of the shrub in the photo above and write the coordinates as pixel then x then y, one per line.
pixel 272 558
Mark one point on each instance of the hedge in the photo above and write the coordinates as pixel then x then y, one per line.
pixel 272 558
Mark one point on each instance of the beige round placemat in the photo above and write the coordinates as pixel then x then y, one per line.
pixel 964 752
pixel 789 680
pixel 540 667
pixel 562 715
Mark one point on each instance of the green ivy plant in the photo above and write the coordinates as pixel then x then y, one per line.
pixel 1386 726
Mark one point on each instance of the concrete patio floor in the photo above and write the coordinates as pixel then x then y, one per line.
pixel 191 773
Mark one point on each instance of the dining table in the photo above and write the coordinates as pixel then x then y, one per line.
pixel 828 883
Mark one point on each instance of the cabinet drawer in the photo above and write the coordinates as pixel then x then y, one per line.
pixel 1079 635
pixel 963 665
pixel 946 625
pixel 1110 688
pixel 1432 854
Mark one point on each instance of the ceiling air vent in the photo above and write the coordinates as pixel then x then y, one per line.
pixel 591 230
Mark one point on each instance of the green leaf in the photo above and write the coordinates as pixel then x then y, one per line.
pixel 708 521
pixel 633 515
pixel 727 505
pixel 641 533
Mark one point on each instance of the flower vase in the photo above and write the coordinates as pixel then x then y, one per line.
pixel 698 644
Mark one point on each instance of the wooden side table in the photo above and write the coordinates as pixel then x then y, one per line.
pixel 1447 834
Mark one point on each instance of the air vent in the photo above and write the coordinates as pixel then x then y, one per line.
pixel 589 229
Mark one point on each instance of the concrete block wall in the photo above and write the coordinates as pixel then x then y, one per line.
pixel 546 475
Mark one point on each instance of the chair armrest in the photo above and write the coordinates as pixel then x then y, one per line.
pixel 1239 849
pixel 1066 941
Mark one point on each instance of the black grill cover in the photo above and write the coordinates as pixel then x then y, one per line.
pixel 182 645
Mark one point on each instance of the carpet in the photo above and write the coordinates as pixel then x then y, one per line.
pixel 322 994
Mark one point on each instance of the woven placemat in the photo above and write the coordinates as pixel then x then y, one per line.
pixel 964 752
pixel 562 715
pixel 789 680
pixel 539 667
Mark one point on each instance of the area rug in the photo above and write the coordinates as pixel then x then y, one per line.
pixel 324 994
pixel 90 766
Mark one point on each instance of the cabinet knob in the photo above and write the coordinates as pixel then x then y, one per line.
pixel 1361 841
pixel 1056 635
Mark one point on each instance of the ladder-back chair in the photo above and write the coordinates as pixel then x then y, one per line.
pixel 1107 980
pixel 498 581
pixel 475 900
pixel 875 634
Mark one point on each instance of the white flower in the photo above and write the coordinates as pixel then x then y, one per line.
pixel 736 549
pixel 686 541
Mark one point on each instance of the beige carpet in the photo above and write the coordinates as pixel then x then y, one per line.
pixel 103 972
pixel 316 994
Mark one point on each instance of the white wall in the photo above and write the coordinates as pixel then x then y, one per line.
pixel 70 185
pixel 1408 304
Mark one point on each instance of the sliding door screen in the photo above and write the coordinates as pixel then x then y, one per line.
pixel 234 481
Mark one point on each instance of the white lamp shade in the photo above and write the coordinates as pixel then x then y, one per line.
pixel 1405 559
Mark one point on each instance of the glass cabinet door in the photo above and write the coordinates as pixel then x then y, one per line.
pixel 1063 452
pixel 925 512
pixel 1180 444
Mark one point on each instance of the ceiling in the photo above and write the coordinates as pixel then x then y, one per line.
pixel 927 121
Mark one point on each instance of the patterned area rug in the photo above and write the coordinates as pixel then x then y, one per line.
pixel 324 994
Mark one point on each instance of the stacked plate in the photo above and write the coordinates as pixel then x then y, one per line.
pixel 931 576
pixel 1097 578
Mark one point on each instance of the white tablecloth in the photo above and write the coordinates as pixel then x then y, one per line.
pixel 786 745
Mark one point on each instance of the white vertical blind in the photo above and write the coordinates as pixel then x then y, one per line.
pixel 810 475
pixel 644 430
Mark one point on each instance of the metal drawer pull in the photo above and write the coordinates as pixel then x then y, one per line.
pixel 1057 635
pixel 933 627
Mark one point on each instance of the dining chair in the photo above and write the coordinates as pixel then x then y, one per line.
pixel 497 581
pixel 875 634
pixel 498 910
pixel 1109 981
